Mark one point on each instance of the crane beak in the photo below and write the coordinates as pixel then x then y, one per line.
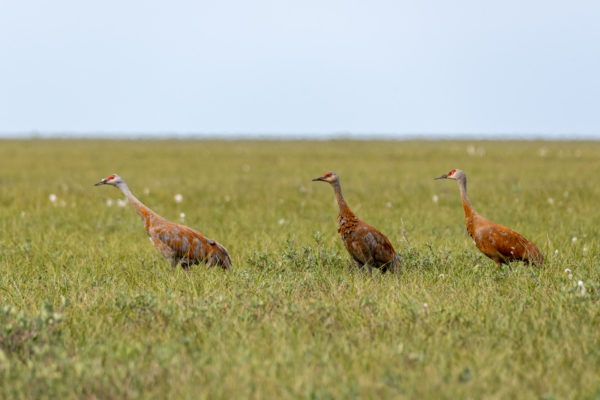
pixel 318 179
pixel 441 177
pixel 102 182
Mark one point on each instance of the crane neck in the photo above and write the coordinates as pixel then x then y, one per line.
pixel 462 184
pixel 343 206
pixel 143 211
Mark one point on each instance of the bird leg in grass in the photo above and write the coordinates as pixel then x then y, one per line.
pixel 363 268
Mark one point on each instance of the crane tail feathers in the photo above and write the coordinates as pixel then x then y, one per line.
pixel 534 256
pixel 219 256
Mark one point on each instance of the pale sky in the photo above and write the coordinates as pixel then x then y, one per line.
pixel 300 67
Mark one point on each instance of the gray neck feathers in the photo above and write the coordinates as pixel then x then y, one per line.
pixel 338 195
pixel 462 184
pixel 122 186
pixel 138 205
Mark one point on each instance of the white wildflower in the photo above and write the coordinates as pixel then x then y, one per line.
pixel 182 217
pixel 52 198
pixel 556 252
pixel 581 288
pixel 227 198
pixel 584 249
pixel 569 274
pixel 441 276
pixel 121 202
pixel 388 204
pixel 573 239
pixel 281 221
pixel 435 198
pixel 22 214
pixel 543 152
pixel 109 202
pixel 178 198
pixel 550 200
pixel 146 191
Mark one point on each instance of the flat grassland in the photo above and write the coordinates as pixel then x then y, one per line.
pixel 89 309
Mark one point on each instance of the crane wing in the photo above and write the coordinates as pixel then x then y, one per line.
pixel 380 248
pixel 184 242
pixel 510 244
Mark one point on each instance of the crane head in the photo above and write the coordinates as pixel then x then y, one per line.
pixel 453 174
pixel 112 179
pixel 329 177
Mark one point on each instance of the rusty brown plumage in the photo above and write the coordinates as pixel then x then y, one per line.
pixel 498 242
pixel 180 244
pixel 368 247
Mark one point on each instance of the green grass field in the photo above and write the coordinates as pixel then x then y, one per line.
pixel 89 309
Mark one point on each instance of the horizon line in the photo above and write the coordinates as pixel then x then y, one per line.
pixel 297 136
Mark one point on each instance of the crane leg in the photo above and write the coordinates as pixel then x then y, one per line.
pixel 173 262
pixel 369 265
pixel 186 265
pixel 393 268
pixel 498 263
pixel 362 266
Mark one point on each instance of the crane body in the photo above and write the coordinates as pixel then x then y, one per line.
pixel 367 246
pixel 497 242
pixel 178 243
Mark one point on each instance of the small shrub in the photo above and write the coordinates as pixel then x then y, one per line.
pixel 21 335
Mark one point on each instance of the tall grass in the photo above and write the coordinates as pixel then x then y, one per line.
pixel 89 309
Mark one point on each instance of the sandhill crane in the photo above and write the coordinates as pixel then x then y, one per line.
pixel 178 243
pixel 367 246
pixel 498 242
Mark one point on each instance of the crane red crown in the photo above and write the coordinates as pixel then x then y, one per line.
pixel 327 175
pixel 451 172
pixel 108 178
